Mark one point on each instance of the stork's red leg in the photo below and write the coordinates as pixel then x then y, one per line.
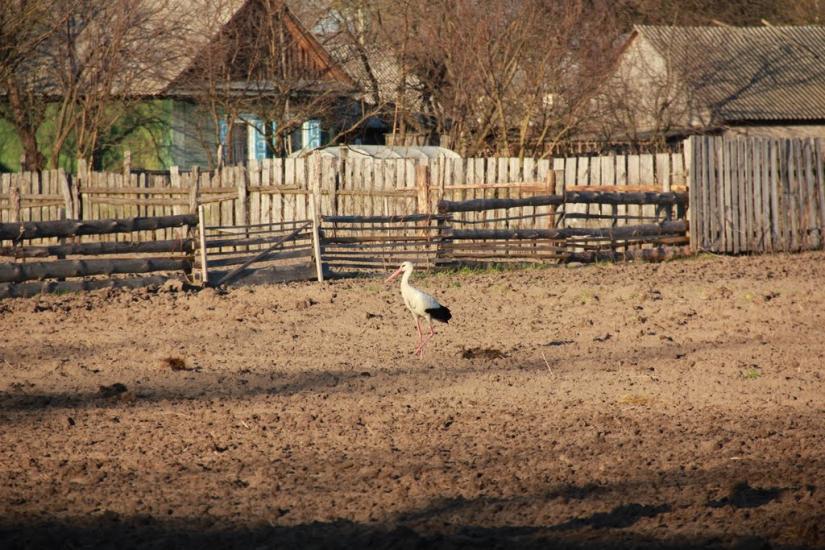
pixel 420 336
pixel 427 338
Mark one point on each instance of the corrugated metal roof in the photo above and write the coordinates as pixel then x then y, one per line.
pixel 748 73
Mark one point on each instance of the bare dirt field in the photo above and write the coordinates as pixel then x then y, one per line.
pixel 655 406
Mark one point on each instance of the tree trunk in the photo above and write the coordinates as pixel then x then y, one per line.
pixel 22 116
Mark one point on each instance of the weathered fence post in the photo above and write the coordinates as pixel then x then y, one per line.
pixel 202 241
pixel 339 181
pixel 81 180
pixel 68 197
pixel 194 190
pixel 693 189
pixel 14 202
pixel 243 196
pixel 316 221
pixel 127 166
pixel 422 185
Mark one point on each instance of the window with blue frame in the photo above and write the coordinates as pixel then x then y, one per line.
pixel 248 138
pixel 312 133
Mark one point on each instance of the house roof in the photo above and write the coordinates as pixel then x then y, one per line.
pixel 748 73
pixel 204 20
pixel 169 38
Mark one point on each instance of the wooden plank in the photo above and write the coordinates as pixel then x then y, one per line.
pixel 528 173
pixel 811 222
pixel 776 187
pixel 758 243
pixel 316 222
pixel 278 199
pixel 745 194
pixel 515 176
pixel 793 193
pixel 724 194
pixel 35 188
pixel 5 184
pixel 290 201
pixel 820 188
pixel 712 191
pixel 703 204
pixel 736 199
pixel 254 179
pixel 694 150
pixel 380 204
pixel 634 178
pixel 265 215
pixel 767 235
pixel 647 172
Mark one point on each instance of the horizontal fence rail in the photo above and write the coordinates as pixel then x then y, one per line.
pixel 72 228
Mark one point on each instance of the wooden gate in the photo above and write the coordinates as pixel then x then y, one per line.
pixel 257 253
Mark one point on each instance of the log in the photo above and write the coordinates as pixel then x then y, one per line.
pixel 617 233
pixel 574 197
pixel 27 290
pixel 378 238
pixel 384 219
pixel 15 273
pixel 478 205
pixel 93 249
pixel 227 260
pixel 221 243
pixel 73 228
pixel 139 202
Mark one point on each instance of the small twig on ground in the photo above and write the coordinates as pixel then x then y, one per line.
pixel 546 364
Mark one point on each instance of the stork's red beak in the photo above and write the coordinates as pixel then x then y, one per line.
pixel 394 275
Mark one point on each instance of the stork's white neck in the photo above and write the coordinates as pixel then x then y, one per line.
pixel 405 279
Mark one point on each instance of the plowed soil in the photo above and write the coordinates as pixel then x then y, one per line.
pixel 657 406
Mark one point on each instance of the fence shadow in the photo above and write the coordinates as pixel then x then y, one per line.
pixel 112 531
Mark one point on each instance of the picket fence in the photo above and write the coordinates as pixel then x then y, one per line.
pixel 280 190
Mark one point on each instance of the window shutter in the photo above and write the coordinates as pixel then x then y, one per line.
pixel 223 130
pixel 260 137
pixel 312 130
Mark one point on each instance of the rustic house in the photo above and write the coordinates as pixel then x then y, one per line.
pixel 275 87
pixel 235 80
pixel 757 81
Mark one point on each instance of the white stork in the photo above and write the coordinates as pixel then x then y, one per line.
pixel 421 304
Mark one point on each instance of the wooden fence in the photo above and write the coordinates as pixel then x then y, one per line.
pixel 93 263
pixel 280 190
pixel 304 249
pixel 756 195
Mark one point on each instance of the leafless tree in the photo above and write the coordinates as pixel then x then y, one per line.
pixel 107 54
pixel 263 63
pixel 24 26
pixel 496 77
pixel 84 64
